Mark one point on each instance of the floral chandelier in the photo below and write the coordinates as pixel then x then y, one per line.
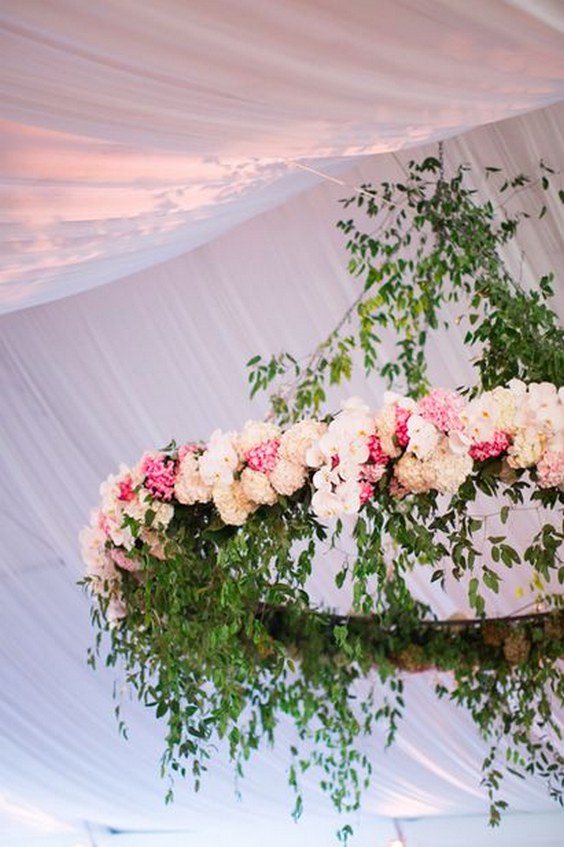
pixel 199 556
pixel 336 465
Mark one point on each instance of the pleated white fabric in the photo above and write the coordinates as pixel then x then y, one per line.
pixel 135 131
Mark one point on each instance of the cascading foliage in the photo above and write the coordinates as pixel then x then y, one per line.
pixel 199 556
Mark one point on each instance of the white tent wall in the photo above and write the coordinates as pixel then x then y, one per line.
pixel 130 158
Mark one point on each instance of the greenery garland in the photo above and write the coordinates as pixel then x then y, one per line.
pixel 413 645
pixel 215 628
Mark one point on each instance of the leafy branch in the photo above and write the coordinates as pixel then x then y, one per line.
pixel 433 244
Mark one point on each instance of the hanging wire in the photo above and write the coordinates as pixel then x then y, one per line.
pixel 442 160
pixel 356 188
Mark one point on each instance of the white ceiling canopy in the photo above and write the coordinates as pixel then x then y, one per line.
pixel 133 132
pixel 156 146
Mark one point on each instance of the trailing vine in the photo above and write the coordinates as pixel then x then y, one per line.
pixel 423 244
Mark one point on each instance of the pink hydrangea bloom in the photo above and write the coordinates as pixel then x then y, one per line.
pixel 442 408
pixel 264 456
pixel 126 491
pixel 366 492
pixel 402 417
pixel 483 450
pixel 189 448
pixel 159 472
pixel 119 557
pixel 371 473
pixel 102 522
pixel 550 469
pixel 377 454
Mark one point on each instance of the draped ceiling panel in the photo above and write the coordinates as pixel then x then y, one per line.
pixel 135 133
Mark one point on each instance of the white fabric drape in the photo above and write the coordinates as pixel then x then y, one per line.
pixel 92 380
pixel 135 131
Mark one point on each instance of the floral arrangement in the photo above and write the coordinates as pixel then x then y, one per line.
pixel 199 556
pixel 409 447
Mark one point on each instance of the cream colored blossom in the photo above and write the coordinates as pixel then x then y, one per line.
pixel 386 430
pixel 391 398
pixel 518 388
pixel 296 441
pixel 99 566
pixel 326 478
pixel 189 487
pixel 287 477
pixel 505 402
pixel 257 487
pixel 232 503
pixel 543 410
pixel 413 474
pixel 121 536
pixel 220 460
pixel 480 418
pixel 492 412
pixel 448 470
pixel 556 442
pixel 345 437
pixel 116 610
pixel 526 450
pixel 459 442
pixel 352 453
pixel 144 503
pixel 164 513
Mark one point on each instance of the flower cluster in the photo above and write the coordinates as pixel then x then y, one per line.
pixel 348 460
pixel 133 512
pixel 408 447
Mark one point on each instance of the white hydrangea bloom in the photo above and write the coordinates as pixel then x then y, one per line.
pixel 257 487
pixel 386 430
pixel 232 503
pixel 448 470
pixel 297 441
pixel 287 477
pixel 220 460
pixel 526 450
pixel 414 474
pixel 189 487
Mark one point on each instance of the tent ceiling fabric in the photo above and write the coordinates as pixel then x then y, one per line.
pixel 125 147
pixel 259 79
pixel 133 132
pixel 95 379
